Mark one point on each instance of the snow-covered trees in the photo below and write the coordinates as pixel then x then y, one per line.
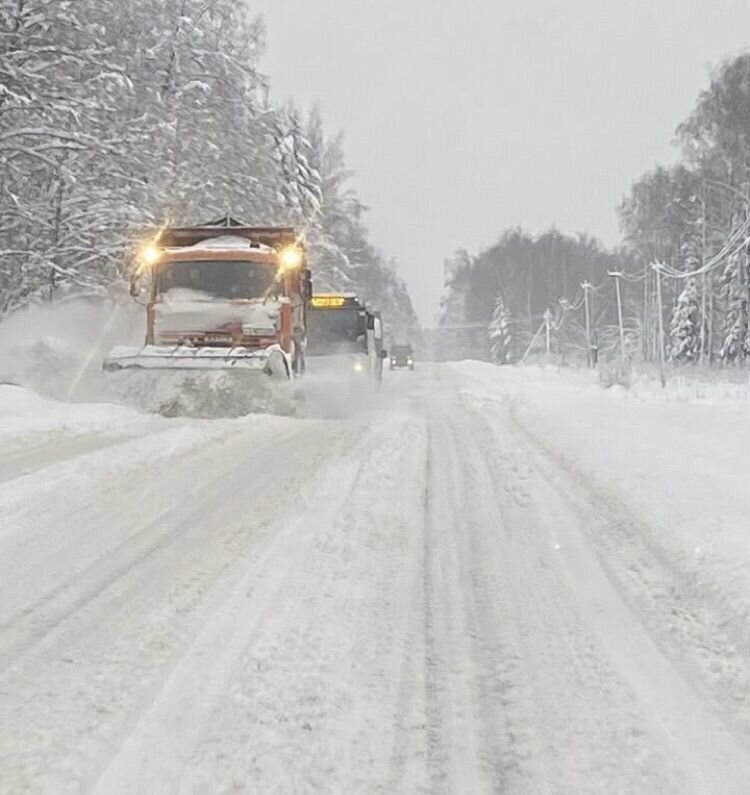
pixel 115 117
pixel 716 140
pixel 735 346
pixel 499 332
pixel 535 272
pixel 107 123
pixel 685 332
pixel 299 187
pixel 692 217
pixel 56 80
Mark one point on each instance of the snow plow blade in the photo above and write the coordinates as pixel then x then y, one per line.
pixel 185 381
pixel 270 361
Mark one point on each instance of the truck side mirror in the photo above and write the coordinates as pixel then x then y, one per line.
pixel 307 283
pixel 370 323
pixel 134 286
pixel 384 354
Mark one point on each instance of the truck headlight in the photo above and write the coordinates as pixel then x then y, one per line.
pixel 150 254
pixel 291 257
pixel 358 367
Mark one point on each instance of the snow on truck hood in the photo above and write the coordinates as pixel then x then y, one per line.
pixel 226 243
pixel 187 310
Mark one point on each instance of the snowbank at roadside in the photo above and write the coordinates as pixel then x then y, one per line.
pixel 680 457
pixel 689 384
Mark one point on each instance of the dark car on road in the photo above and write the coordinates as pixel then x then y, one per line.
pixel 402 356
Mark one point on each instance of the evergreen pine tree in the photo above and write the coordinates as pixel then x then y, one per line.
pixel 735 293
pixel 684 329
pixel 499 332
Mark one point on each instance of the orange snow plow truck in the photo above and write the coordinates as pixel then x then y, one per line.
pixel 222 296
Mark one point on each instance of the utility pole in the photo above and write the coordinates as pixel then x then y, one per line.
pixel 710 324
pixel 531 344
pixel 616 275
pixel 547 321
pixel 704 290
pixel 587 315
pixel 565 306
pixel 660 318
pixel 703 273
pixel 646 324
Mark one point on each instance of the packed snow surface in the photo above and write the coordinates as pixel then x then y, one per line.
pixel 680 456
pixel 441 587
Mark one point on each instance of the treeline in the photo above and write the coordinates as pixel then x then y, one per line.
pixel 685 253
pixel 514 283
pixel 116 117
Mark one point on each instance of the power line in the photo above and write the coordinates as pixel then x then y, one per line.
pixel 737 241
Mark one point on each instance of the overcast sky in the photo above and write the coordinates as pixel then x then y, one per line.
pixel 463 117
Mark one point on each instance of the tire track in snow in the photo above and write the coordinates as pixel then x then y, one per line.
pixel 680 614
pixel 21 633
pixel 172 722
pixel 316 715
pixel 436 756
pixel 38 457
pixel 415 740
pixel 469 746
pixel 546 697
pixel 472 622
pixel 141 626
pixel 286 610
pixel 642 700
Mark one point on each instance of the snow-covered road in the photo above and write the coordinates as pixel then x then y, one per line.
pixel 419 597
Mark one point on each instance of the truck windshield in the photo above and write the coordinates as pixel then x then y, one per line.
pixel 336 331
pixel 217 278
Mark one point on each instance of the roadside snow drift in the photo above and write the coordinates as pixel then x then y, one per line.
pixel 683 462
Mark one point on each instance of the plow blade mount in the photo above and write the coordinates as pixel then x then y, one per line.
pixel 271 361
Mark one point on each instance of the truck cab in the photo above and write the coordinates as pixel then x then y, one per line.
pixel 222 295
